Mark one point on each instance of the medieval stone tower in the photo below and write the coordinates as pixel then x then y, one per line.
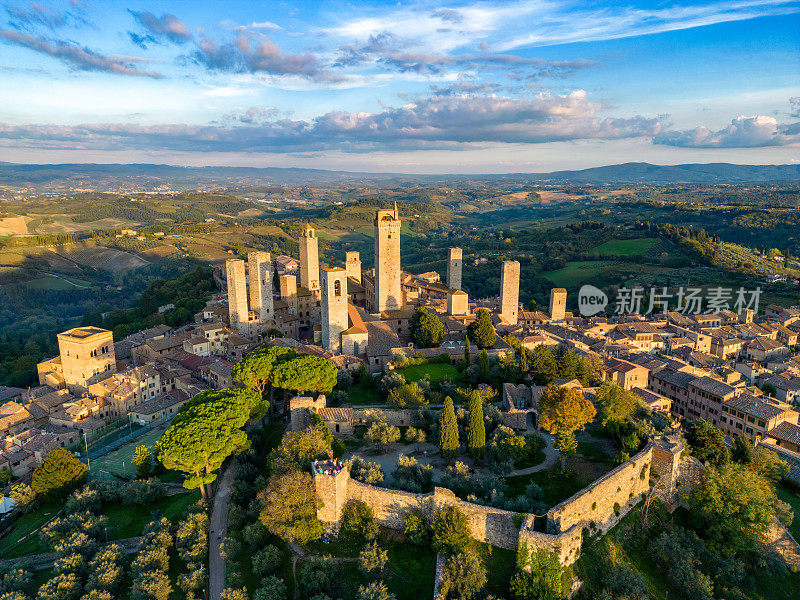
pixel 388 293
pixel 288 285
pixel 454 264
pixel 509 292
pixel 334 308
pixel 558 304
pixel 259 266
pixel 237 295
pixel 309 259
pixel 353 265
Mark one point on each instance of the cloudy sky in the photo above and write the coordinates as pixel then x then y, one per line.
pixel 463 87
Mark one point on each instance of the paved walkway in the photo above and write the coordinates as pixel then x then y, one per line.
pixel 217 529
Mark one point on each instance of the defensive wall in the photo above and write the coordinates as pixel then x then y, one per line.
pixel 597 508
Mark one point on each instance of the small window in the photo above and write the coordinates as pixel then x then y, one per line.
pixel 337 288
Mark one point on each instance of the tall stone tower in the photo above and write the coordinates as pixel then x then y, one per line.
pixel 558 304
pixel 353 265
pixel 85 352
pixel 334 308
pixel 288 285
pixel 237 295
pixel 309 259
pixel 509 292
pixel 388 292
pixel 259 266
pixel 454 264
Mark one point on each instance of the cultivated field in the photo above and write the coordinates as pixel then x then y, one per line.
pixel 625 247
pixel 14 225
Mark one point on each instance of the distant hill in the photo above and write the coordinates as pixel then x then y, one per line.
pixel 102 176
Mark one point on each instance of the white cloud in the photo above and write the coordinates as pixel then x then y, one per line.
pixel 743 132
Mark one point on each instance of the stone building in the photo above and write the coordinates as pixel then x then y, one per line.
pixel 238 312
pixel 309 259
pixel 454 265
pixel 334 308
pixel 85 355
pixel 509 292
pixel 457 303
pixel 388 293
pixel 260 275
pixel 353 265
pixel 558 304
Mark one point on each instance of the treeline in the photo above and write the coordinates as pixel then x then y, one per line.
pixel 188 293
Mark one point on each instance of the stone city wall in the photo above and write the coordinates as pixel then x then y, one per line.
pixel 606 500
pixel 393 416
pixel 567 545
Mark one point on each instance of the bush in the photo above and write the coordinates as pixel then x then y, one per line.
pixel 272 588
pixel 463 577
pixel 450 531
pixel 411 476
pixel 267 561
pixel 366 472
pixel 358 519
pixel 416 527
pixel 390 381
pixel 316 576
pixel 58 475
pixel 376 590
pixel 372 559
pixel 409 395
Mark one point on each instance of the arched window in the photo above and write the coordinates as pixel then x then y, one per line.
pixel 337 288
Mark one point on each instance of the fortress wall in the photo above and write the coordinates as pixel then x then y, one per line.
pixel 393 416
pixel 623 486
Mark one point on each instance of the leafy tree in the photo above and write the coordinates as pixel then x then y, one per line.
pixel 318 575
pixel 760 460
pixel 416 527
pixel 23 495
pixel 272 588
pixel 563 412
pixel 58 475
pixel 463 577
pixel 481 330
pixel 366 472
pixel 306 373
pixel 289 507
pixel 543 365
pixel 230 593
pixel 391 380
pixel 257 370
pixel 64 586
pixel 707 443
pixel 409 395
pixel 411 476
pixel 143 459
pixel 267 561
pixel 615 402
pixel 734 505
pixel 476 429
pixel 427 330
pixel 382 434
pixel 450 531
pixel 448 430
pixel 298 449
pixel 372 559
pixel 415 436
pixel 542 582
pixel 358 519
pixel 207 431
pixel 376 590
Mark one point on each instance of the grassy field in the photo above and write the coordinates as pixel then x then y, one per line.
pixel 362 394
pixel 436 372
pixel 791 497
pixel 12 545
pixel 113 461
pixel 625 247
pixel 575 273
pixel 54 282
pixel 556 486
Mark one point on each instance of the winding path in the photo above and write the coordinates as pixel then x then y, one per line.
pixel 217 529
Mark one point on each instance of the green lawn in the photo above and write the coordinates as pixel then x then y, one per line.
pixel 129 520
pixel 113 461
pixel 12 547
pixel 556 486
pixel 500 565
pixel 362 394
pixel 575 273
pixel 436 372
pixel 793 498
pixel 625 247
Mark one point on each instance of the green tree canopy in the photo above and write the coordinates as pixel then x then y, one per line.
pixel 306 373
pixel 707 443
pixel 289 506
pixel 448 430
pixel 616 403
pixel 427 330
pixel 143 459
pixel 298 449
pixel 476 429
pixel 257 369
pixel 59 474
pixel 450 531
pixel 409 395
pixel 563 412
pixel 481 330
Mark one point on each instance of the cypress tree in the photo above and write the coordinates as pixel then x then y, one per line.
pixel 467 356
pixel 476 431
pixel 448 428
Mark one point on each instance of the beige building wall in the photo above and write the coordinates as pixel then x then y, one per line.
pixel 260 275
pixel 309 259
pixel 85 352
pixel 388 292
pixel 353 265
pixel 237 295
pixel 454 265
pixel 509 291
pixel 288 285
pixel 457 303
pixel 334 308
pixel 558 304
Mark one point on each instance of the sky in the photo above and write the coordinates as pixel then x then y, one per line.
pixel 417 87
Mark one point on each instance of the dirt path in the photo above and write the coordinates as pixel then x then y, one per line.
pixel 217 529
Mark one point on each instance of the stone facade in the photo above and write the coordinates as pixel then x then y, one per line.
pixel 300 409
pixel 84 354
pixel 334 308
pixel 289 295
pixel 259 265
pixel 238 314
pixel 457 303
pixel 353 265
pixel 309 259
pixel 388 291
pixel 509 292
pixel 558 304
pixel 454 264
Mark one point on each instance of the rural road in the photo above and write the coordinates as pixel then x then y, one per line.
pixel 217 528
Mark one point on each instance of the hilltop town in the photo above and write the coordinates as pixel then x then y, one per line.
pixel 397 349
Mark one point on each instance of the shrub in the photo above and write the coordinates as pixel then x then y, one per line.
pixel 411 476
pixel 58 475
pixel 416 527
pixel 366 472
pixel 272 588
pixel 463 577
pixel 359 519
pixel 410 395
pixel 266 561
pixel 450 531
pixel 372 559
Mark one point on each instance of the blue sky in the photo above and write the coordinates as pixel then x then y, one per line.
pixel 411 87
